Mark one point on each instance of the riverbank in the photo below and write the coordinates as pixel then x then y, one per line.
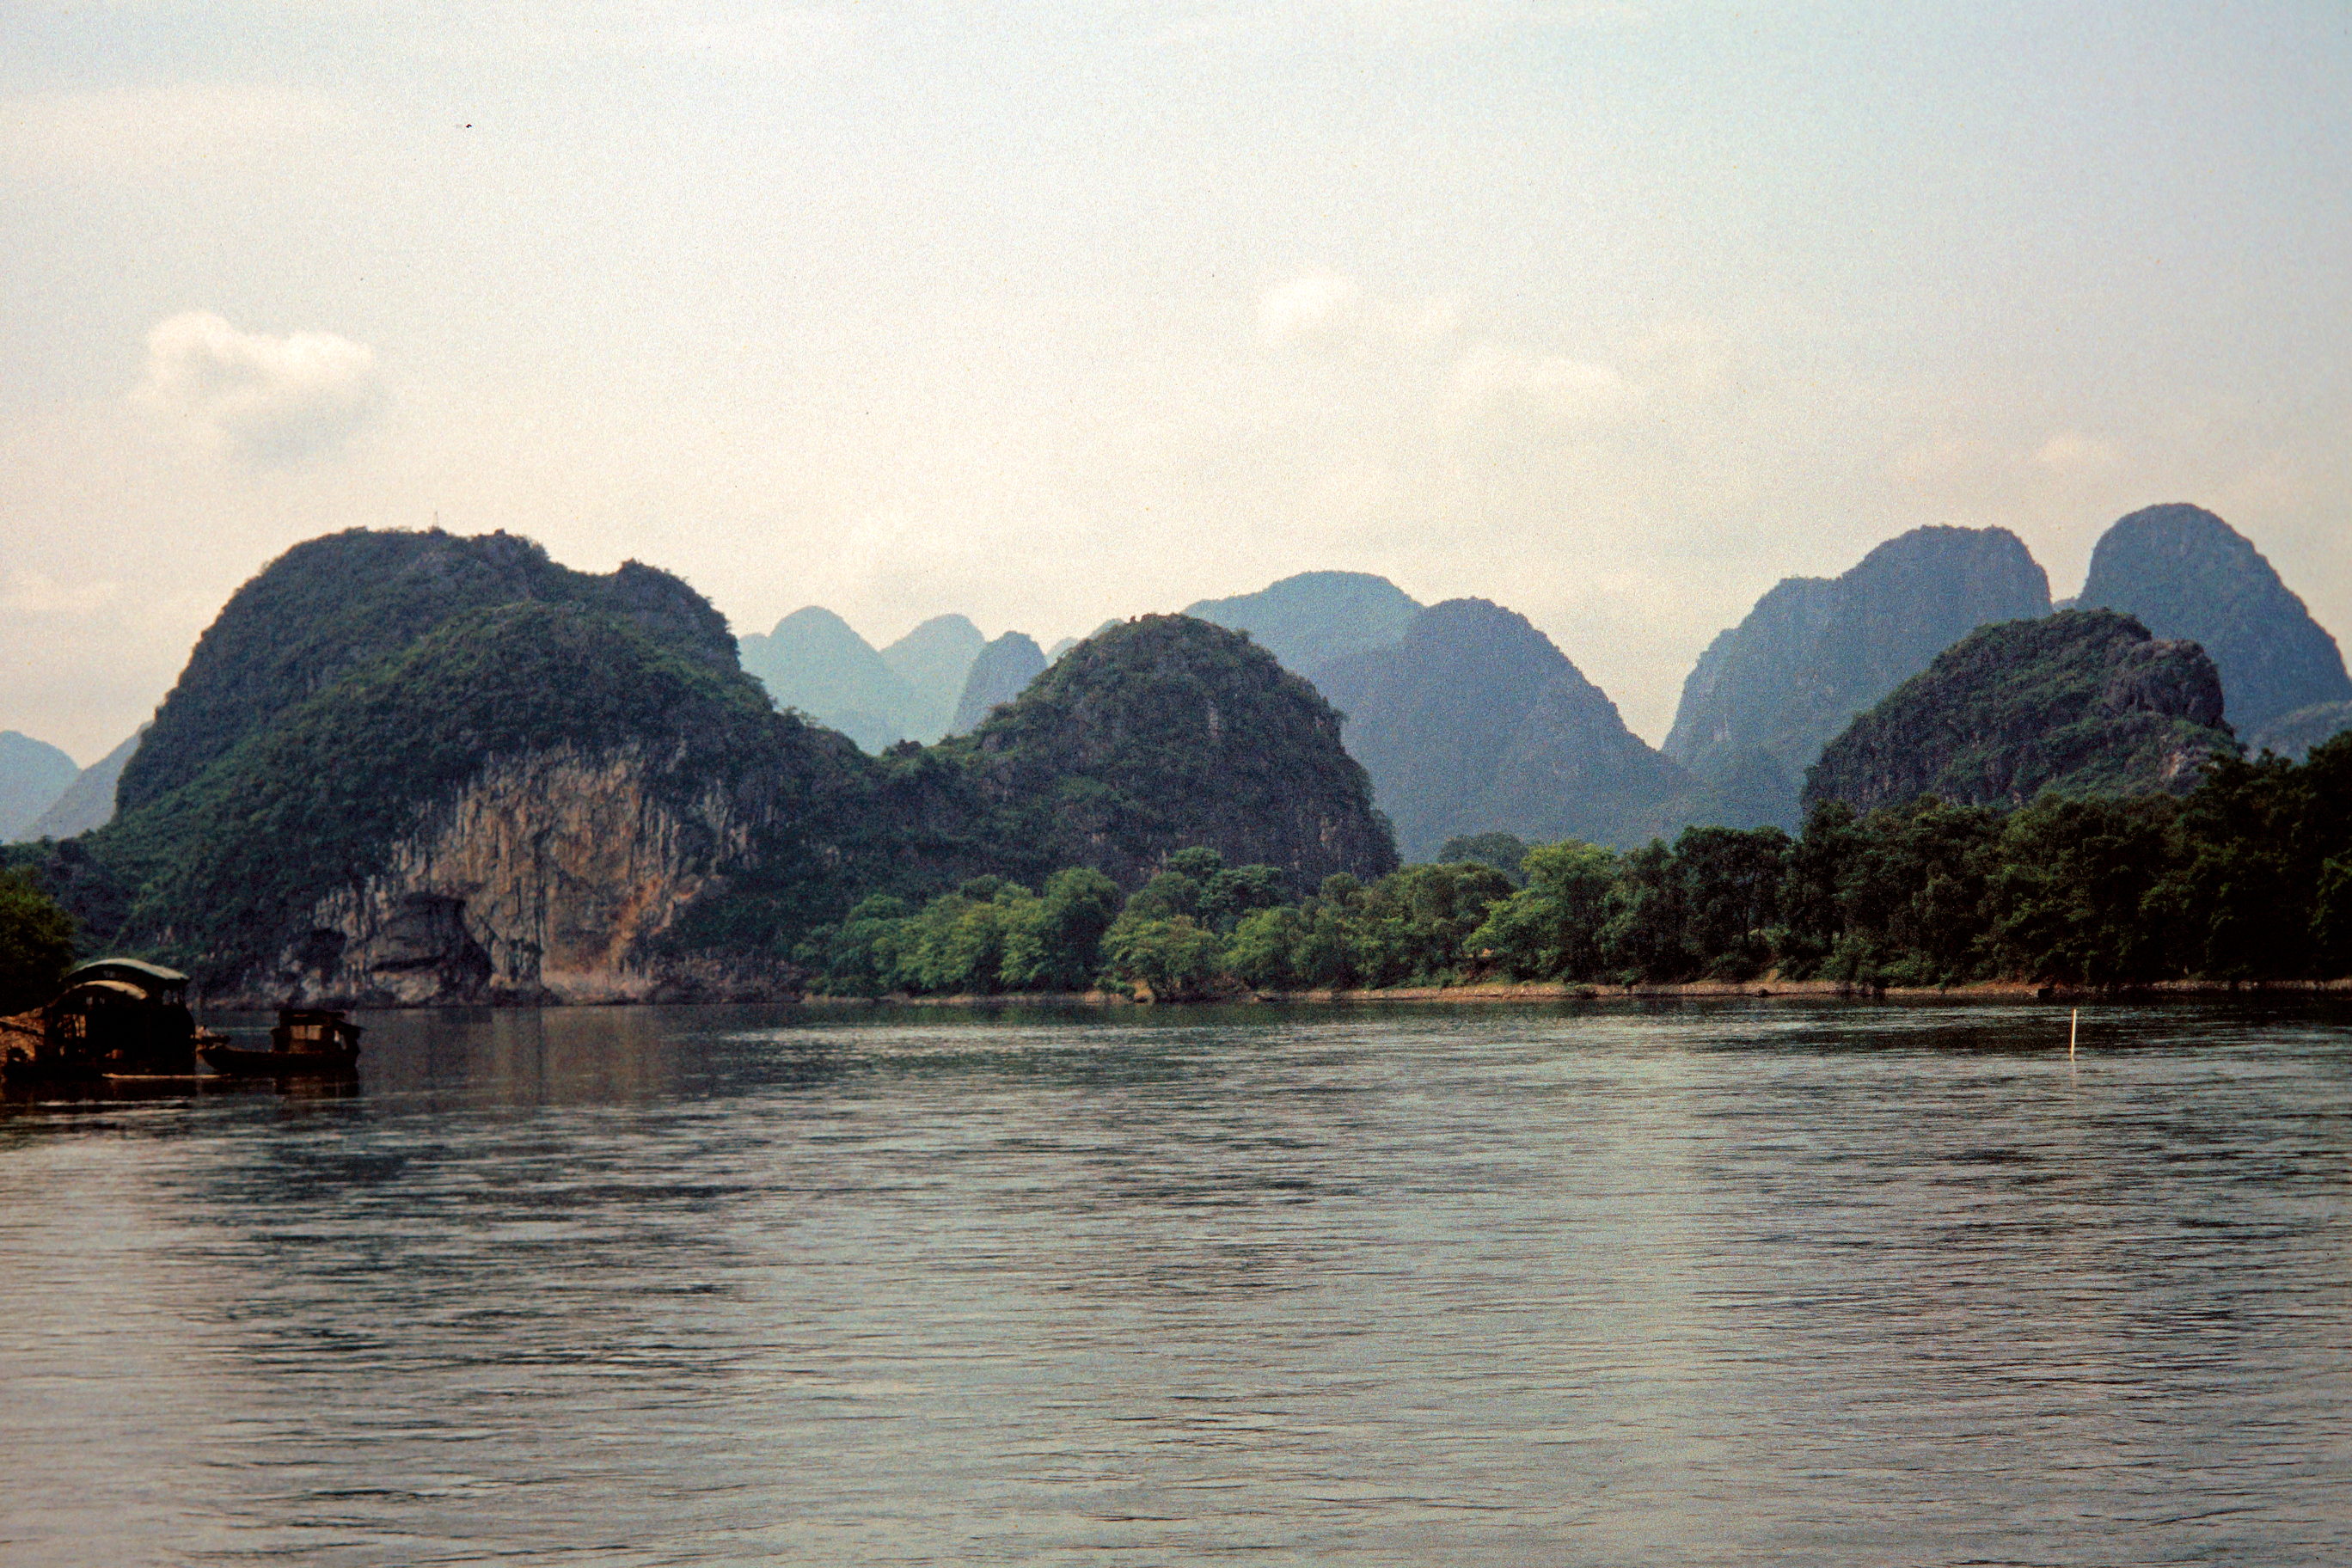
pixel 1476 994
pixel 1534 991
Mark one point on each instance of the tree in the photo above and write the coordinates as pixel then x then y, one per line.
pixel 1173 955
pixel 1731 895
pixel 1054 942
pixel 1503 851
pixel 36 943
pixel 1550 929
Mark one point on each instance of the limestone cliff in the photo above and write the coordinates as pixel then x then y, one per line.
pixel 520 806
pixel 549 876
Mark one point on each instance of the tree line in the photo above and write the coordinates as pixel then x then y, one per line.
pixel 2247 878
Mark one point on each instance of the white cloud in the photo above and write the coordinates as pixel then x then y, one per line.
pixel 2072 452
pixel 1327 312
pixel 1494 375
pixel 268 399
pixel 1322 308
pixel 37 593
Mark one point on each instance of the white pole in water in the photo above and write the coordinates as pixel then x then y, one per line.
pixel 2072 1030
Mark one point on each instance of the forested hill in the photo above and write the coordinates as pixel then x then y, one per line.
pixel 333 605
pixel 571 792
pixel 2083 702
pixel 1166 732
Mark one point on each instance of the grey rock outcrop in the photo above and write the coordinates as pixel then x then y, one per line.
pixel 547 878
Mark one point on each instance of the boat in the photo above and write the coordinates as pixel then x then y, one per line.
pixel 307 1041
pixel 117 1019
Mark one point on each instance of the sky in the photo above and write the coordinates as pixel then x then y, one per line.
pixel 1615 314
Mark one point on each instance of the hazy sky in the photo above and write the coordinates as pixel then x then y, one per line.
pixel 1615 314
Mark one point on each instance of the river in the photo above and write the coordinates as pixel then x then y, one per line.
pixel 1611 1283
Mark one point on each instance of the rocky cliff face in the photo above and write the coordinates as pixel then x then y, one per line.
pixel 2085 702
pixel 2184 572
pixel 1769 693
pixel 549 877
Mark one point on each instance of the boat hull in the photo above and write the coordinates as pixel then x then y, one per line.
pixel 236 1062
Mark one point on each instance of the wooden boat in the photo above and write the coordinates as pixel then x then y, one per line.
pixel 307 1041
pixel 117 1019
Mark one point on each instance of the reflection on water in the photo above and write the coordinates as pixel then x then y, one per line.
pixel 1756 1282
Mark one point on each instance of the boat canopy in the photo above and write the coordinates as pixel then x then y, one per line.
pixel 148 977
pixel 81 989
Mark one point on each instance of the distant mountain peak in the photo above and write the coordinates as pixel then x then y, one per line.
pixel 934 660
pixel 1003 670
pixel 1473 721
pixel 2186 573
pixel 1313 617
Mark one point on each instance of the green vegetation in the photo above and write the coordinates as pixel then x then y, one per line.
pixel 1164 733
pixel 2249 877
pixel 2083 702
pixel 36 945
pixel 1166 808
pixel 317 800
pixel 352 735
pixel 331 607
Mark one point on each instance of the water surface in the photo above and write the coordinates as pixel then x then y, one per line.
pixel 1761 1282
